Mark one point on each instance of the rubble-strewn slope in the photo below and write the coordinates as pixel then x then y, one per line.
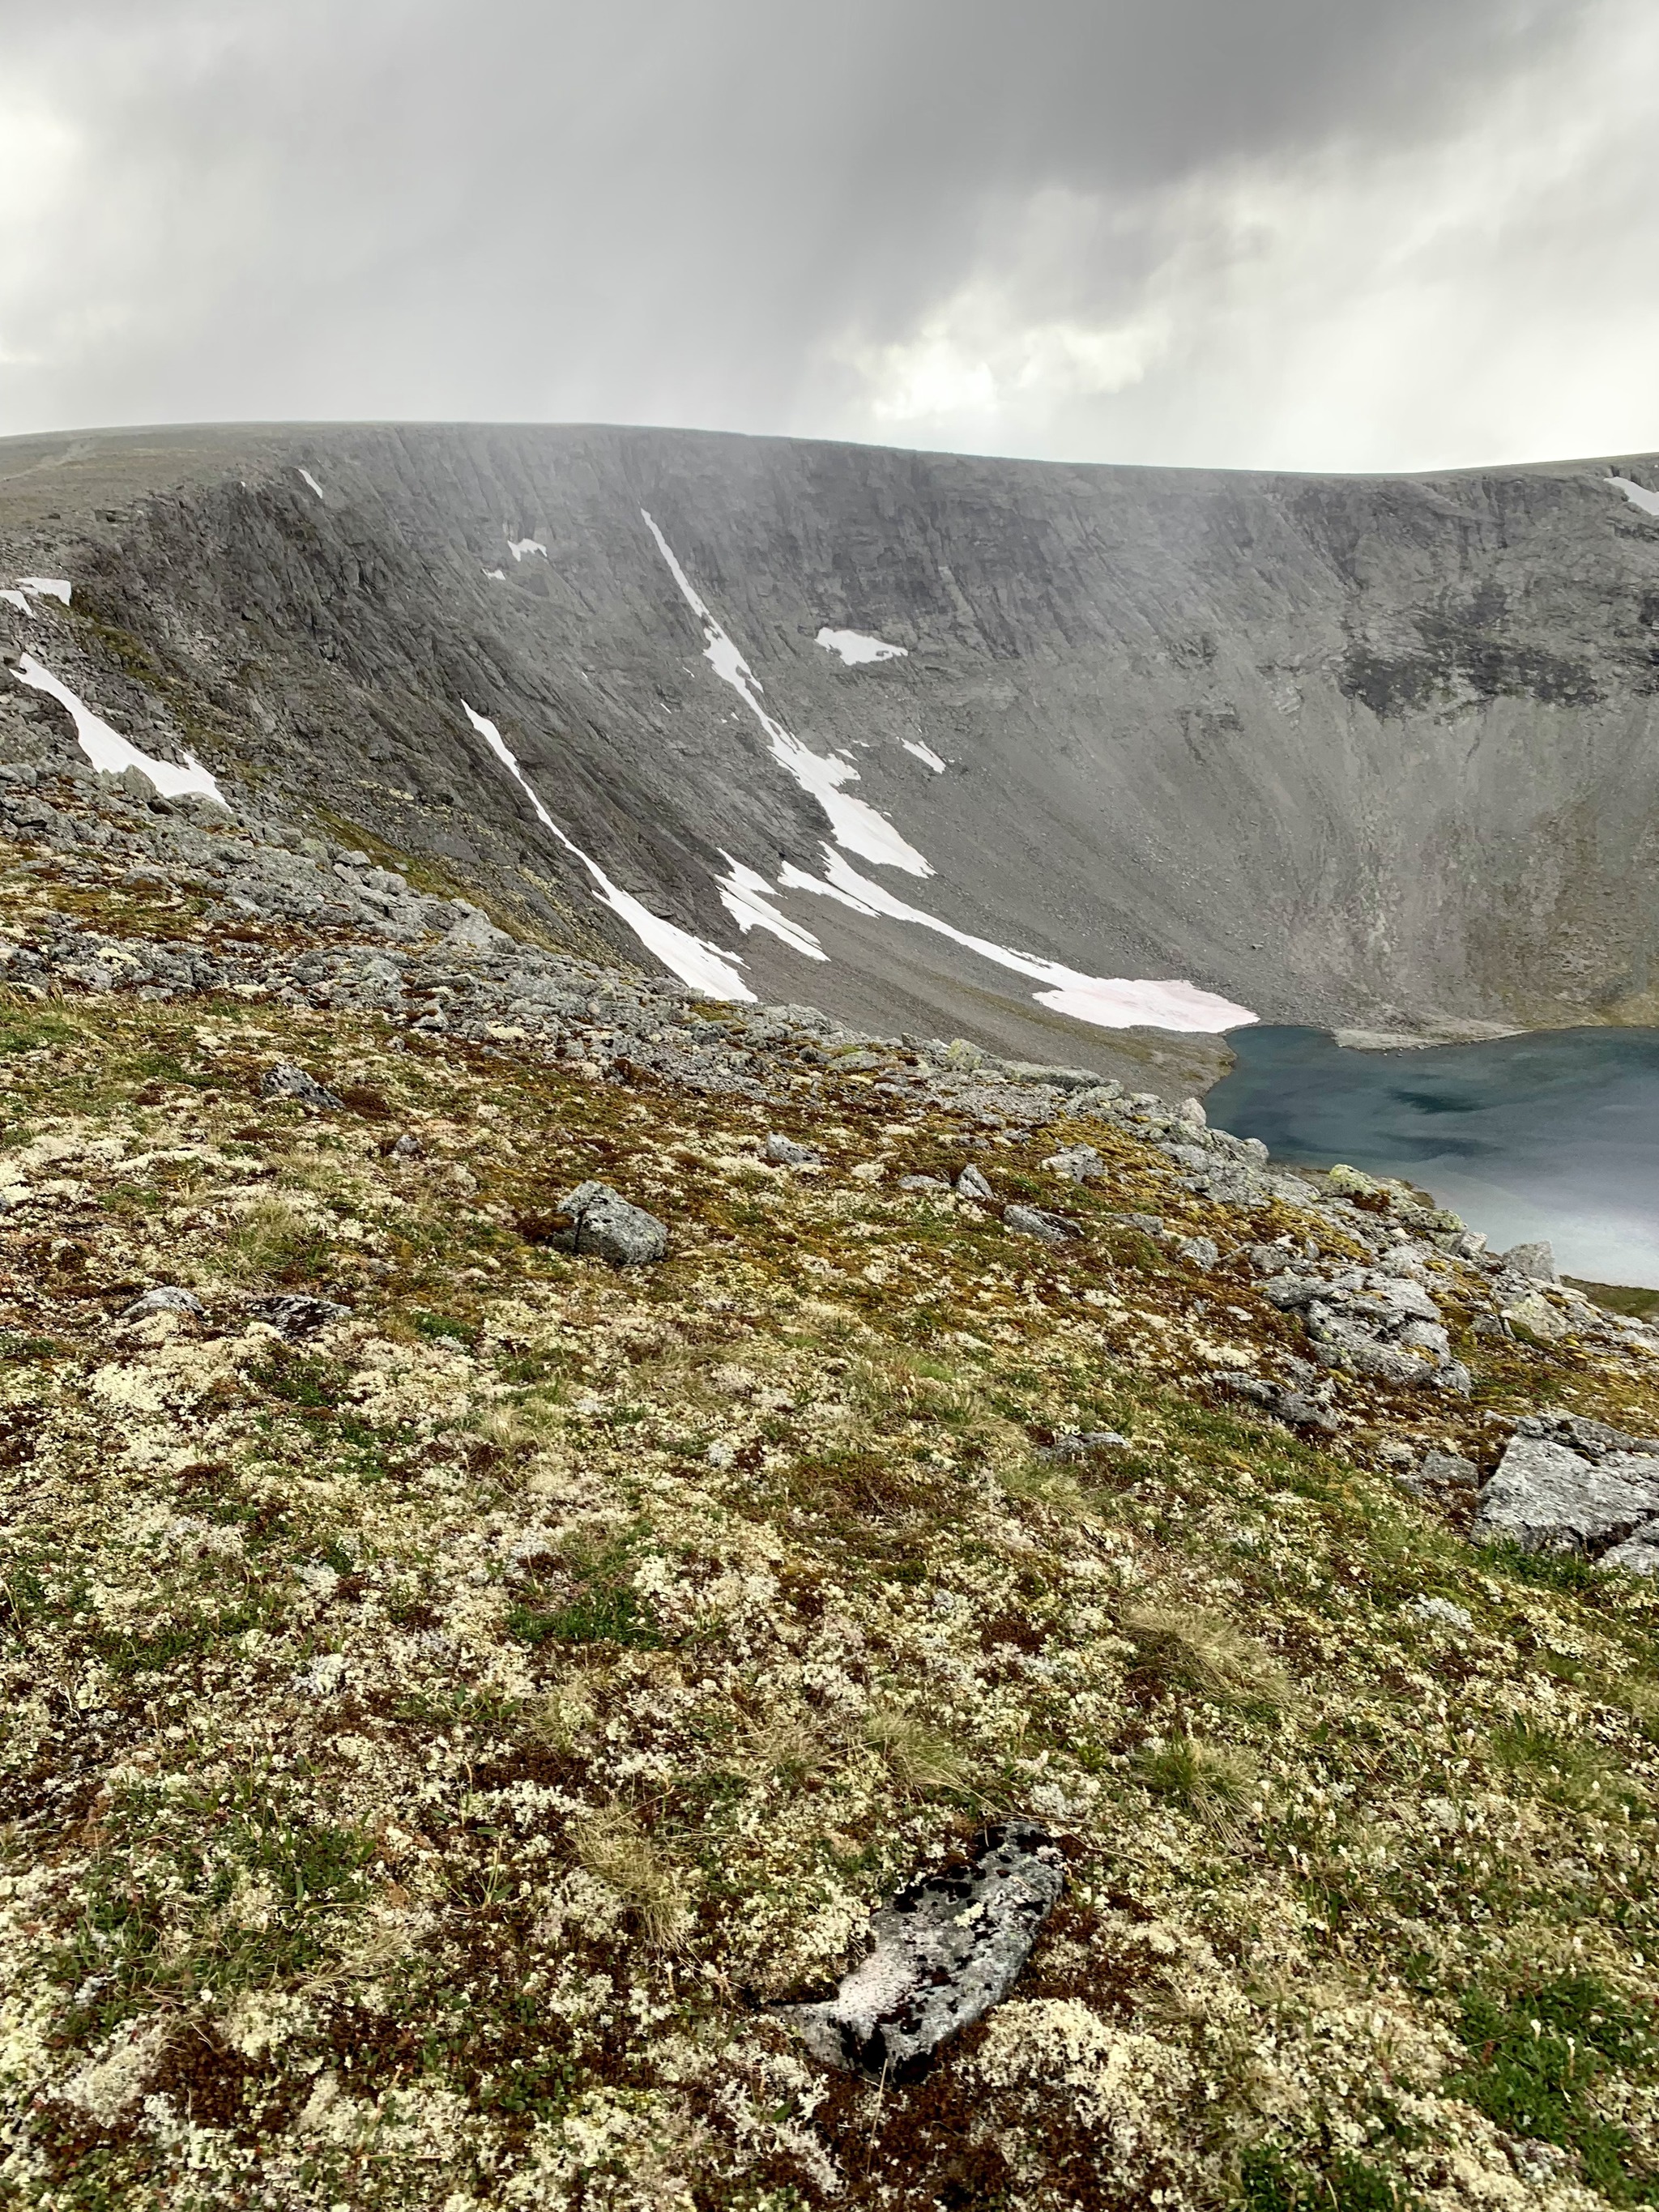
pixel 1376 752
pixel 456 1688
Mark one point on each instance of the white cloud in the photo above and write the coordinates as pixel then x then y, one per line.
pixel 1483 298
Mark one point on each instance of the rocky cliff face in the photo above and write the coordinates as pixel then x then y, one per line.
pixel 1370 752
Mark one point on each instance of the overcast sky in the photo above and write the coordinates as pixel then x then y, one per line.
pixel 1305 234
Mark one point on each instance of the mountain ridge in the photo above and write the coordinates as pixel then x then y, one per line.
pixel 1372 753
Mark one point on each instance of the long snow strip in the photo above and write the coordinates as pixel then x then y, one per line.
pixel 854 825
pixel 312 481
pixel 856 650
pixel 1106 1002
pixel 748 898
pixel 701 965
pixel 520 548
pixel 1637 494
pixel 47 587
pixel 107 749
pixel 925 754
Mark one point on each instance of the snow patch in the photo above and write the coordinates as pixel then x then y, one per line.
pixel 521 548
pixel 312 481
pixel 857 651
pixel 1105 1002
pixel 47 587
pixel 926 755
pixel 854 824
pixel 747 898
pixel 107 749
pixel 16 599
pixel 1637 494
pixel 702 966
pixel 496 576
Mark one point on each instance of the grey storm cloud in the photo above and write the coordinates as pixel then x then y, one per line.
pixel 1113 228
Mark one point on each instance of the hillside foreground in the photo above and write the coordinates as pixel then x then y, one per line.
pixel 438 1731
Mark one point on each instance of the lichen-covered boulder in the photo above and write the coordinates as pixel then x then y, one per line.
pixel 295 1314
pixel 285 1081
pixel 944 1951
pixel 1037 1221
pixel 607 1225
pixel 1549 1498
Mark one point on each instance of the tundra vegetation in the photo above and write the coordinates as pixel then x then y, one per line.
pixel 444 1723
pixel 432 1743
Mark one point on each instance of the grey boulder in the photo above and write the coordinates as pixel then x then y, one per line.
pixel 608 1226
pixel 1077 1163
pixel 1637 1554
pixel 1297 1409
pixel 1078 1444
pixel 784 1152
pixel 971 1183
pixel 1198 1251
pixel 1537 1260
pixel 285 1081
pixel 296 1313
pixel 1548 1497
pixel 1445 1478
pixel 165 1297
pixel 1037 1221
pixel 944 1951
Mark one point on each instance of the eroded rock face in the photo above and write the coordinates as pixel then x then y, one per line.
pixel 1456 690
pixel 944 1951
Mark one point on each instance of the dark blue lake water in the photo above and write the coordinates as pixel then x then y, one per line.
pixel 1554 1136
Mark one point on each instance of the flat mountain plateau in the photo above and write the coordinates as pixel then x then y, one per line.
pixel 618 1595
pixel 1372 753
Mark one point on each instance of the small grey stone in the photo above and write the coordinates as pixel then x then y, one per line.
pixel 1639 1554
pixel 607 1225
pixel 409 1147
pixel 1078 1444
pixel 1537 1260
pixel 971 1183
pixel 1077 1163
pixel 1442 1610
pixel 944 1951
pixel 1201 1251
pixel 474 932
pixel 785 1152
pixel 285 1081
pixel 922 1183
pixel 1149 1225
pixel 1446 1479
pixel 295 1314
pixel 1037 1221
pixel 165 1297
